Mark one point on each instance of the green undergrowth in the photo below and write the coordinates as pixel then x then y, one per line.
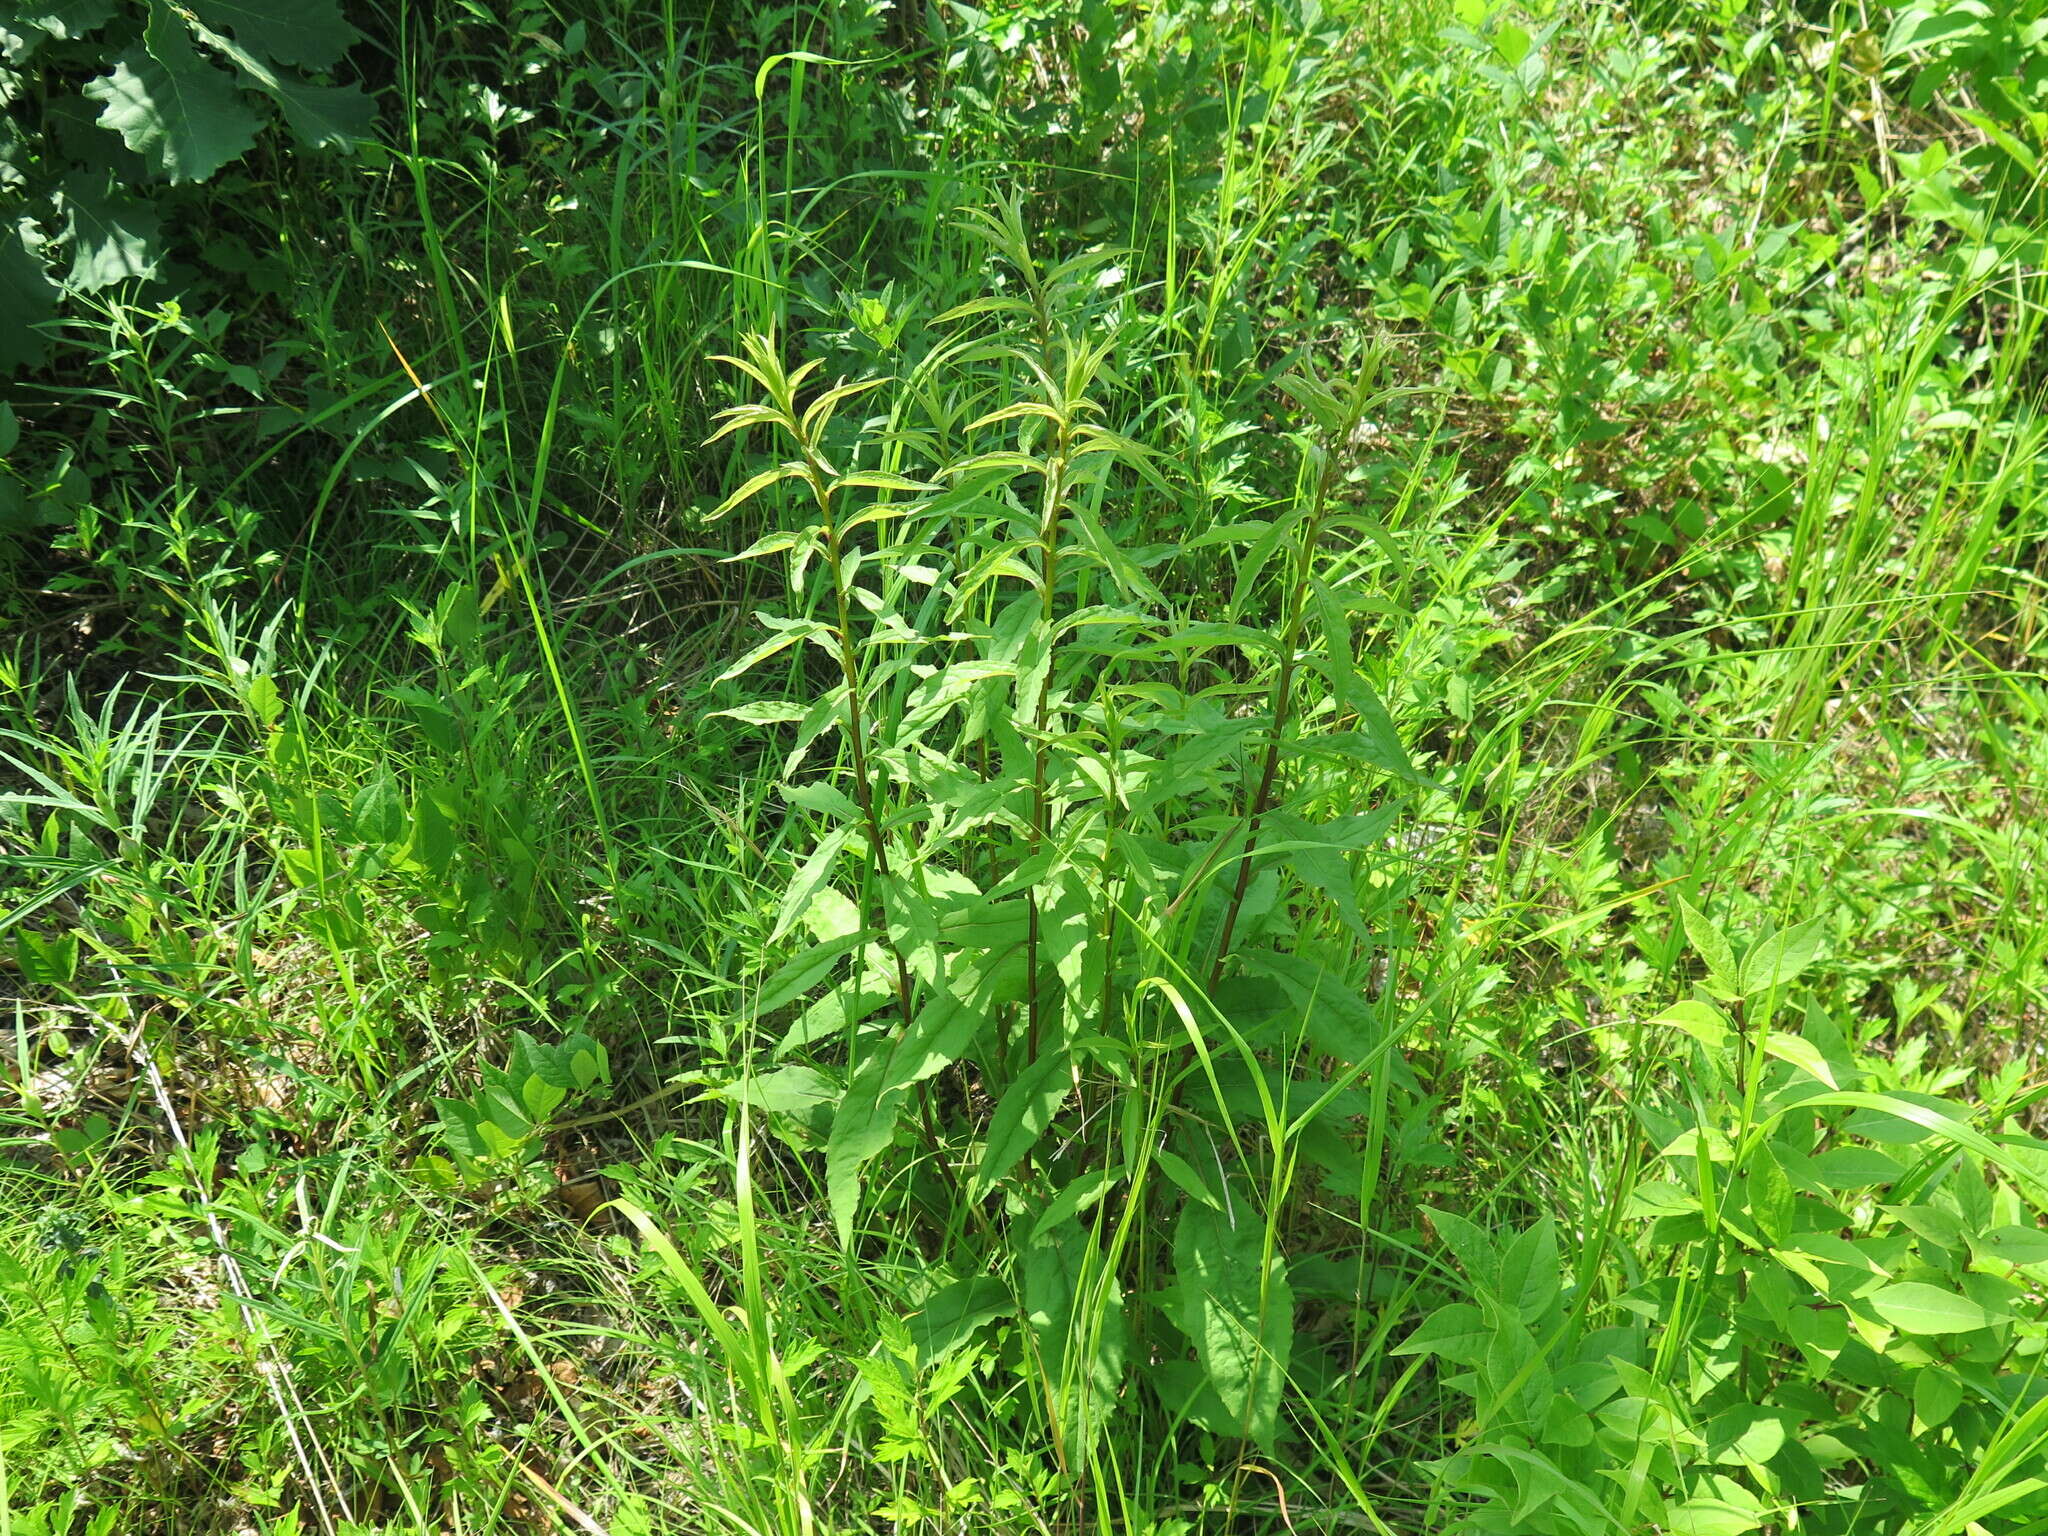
pixel 1246 766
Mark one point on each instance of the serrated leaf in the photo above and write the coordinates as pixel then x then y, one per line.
pixel 1238 1310
pixel 172 107
pixel 309 32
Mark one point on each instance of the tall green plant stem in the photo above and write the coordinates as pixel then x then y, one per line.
pixel 1048 578
pixel 1282 698
pixel 856 721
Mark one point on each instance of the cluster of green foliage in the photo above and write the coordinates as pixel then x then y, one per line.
pixel 176 85
pixel 1044 767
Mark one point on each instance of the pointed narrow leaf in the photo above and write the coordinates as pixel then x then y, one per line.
pixel 112 236
pixel 781 640
pixel 764 712
pixel 806 971
pixel 770 544
pixel 1911 1306
pixel 1027 1108
pixel 951 1314
pixel 1711 945
pixel 1080 1335
pixel 862 1127
pixel 1803 1054
pixel 1778 960
pixel 755 486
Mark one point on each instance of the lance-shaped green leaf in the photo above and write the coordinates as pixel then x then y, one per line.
pixel 951 1314
pixel 943 1030
pixel 786 634
pixel 862 1127
pixel 1779 960
pixel 789 469
pixel 1023 1114
pixel 1912 1306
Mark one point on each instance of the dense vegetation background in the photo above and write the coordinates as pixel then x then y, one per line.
pixel 1142 766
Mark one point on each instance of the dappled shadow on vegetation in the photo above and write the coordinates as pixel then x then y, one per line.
pixel 1029 768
